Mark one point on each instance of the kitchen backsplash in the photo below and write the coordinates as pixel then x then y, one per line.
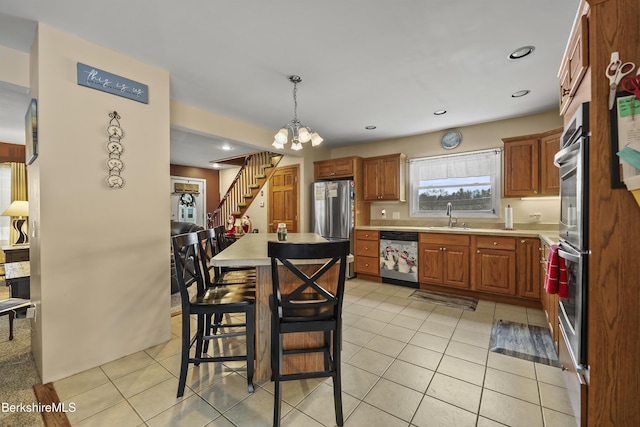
pixel 528 214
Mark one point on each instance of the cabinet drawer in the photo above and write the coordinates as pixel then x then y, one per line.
pixel 367 265
pixel 445 239
pixel 367 235
pixel 490 242
pixel 367 248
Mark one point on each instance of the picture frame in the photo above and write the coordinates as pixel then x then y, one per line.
pixel 31 132
pixel 615 120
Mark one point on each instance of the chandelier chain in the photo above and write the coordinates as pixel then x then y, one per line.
pixel 295 102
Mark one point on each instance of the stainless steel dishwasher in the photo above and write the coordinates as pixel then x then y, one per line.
pixel 399 258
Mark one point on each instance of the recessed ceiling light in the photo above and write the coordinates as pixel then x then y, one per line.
pixel 226 147
pixel 520 93
pixel 439 112
pixel 215 165
pixel 521 52
pixel 370 127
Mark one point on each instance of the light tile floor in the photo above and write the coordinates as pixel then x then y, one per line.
pixel 405 363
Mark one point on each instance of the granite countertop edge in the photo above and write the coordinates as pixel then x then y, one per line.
pixel 550 237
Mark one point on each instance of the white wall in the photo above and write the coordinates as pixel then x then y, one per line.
pixel 100 257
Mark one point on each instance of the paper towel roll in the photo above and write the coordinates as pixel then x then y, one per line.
pixel 508 218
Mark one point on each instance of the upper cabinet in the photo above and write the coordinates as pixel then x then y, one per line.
pixel 528 165
pixel 335 168
pixel 384 178
pixel 575 61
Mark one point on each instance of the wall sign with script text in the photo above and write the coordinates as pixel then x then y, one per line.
pixel 101 80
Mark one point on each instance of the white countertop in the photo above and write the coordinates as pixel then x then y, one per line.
pixel 251 249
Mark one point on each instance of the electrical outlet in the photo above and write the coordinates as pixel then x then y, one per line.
pixel 383 213
pixel 31 313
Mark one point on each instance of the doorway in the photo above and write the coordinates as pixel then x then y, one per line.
pixel 188 206
pixel 283 199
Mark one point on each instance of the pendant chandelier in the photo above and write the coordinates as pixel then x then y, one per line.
pixel 295 132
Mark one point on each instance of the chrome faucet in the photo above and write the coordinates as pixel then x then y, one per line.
pixel 449 209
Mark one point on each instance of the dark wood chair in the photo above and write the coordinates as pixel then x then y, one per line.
pixel 215 276
pixel 207 303
pixel 218 276
pixel 308 307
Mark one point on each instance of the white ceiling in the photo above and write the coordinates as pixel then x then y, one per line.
pixel 387 63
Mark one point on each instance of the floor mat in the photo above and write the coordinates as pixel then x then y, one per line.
pixel 455 301
pixel 527 342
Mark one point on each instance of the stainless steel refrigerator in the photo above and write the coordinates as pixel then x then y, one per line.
pixel 333 209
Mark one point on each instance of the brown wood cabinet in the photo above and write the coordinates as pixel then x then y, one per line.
pixel 444 260
pixel 335 168
pixel 528 267
pixel 549 301
pixel 367 252
pixel 528 164
pixel 575 61
pixel 384 178
pixel 495 265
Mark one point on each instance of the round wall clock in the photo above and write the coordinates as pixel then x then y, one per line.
pixel 451 139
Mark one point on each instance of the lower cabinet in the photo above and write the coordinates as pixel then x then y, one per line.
pixel 495 265
pixel 367 252
pixel 528 268
pixel 549 301
pixel 444 260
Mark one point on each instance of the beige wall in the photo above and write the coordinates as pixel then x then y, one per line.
pixel 99 257
pixel 476 137
pixel 15 67
pixel 190 117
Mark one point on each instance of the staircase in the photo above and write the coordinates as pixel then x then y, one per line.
pixel 253 174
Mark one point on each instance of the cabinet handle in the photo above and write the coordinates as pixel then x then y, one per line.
pixel 366 248
pixel 495 243
pixel 366 264
pixel 541 249
pixel 444 249
pixel 478 251
pixel 522 241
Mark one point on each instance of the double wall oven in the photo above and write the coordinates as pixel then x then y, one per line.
pixel 573 161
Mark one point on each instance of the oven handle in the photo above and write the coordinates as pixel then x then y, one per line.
pixel 568 255
pixel 566 153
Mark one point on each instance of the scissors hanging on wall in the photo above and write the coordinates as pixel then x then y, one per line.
pixel 615 72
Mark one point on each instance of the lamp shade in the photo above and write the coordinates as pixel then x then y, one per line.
pixel 17 208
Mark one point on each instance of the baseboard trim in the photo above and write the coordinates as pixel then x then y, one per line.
pixel 46 395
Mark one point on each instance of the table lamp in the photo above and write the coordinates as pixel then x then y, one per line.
pixel 19 209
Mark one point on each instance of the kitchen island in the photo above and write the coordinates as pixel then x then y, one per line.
pixel 251 251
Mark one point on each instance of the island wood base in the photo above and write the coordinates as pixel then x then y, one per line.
pixel 288 282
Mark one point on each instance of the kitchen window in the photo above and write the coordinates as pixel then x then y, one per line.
pixel 469 181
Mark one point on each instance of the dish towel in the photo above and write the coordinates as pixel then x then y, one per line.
pixel 555 280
